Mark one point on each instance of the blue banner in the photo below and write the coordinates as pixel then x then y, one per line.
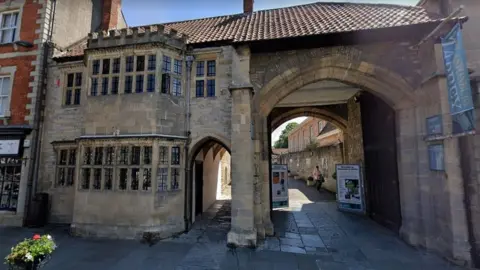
pixel 458 81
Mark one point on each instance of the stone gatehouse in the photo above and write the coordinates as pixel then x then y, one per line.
pixel 129 110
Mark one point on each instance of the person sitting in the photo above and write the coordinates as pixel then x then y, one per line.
pixel 318 178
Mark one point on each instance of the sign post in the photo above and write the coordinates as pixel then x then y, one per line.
pixel 350 188
pixel 279 186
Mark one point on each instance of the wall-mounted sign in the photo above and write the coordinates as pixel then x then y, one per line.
pixel 434 125
pixel 350 188
pixel 436 157
pixel 279 186
pixel 10 147
pixel 458 81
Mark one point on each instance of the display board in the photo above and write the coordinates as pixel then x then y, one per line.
pixel 279 185
pixel 350 195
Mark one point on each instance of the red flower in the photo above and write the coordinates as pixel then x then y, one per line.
pixel 36 237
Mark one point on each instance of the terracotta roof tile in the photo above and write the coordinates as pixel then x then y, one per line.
pixel 304 20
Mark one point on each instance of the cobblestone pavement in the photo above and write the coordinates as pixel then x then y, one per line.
pixel 310 234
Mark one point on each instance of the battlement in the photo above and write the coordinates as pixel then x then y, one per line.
pixel 136 35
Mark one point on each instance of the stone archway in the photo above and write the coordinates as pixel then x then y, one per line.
pixel 386 84
pixel 320 113
pixel 219 145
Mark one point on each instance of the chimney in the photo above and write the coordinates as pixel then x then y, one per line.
pixel 247 6
pixel 111 11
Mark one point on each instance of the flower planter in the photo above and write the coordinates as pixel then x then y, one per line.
pixel 31 254
pixel 37 263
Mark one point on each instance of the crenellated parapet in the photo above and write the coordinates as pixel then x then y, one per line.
pixel 137 35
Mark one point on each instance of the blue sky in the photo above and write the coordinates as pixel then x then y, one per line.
pixel 144 12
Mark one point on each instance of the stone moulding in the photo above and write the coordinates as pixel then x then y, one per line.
pixel 136 35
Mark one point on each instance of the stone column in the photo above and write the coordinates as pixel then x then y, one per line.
pixel 265 178
pixel 243 232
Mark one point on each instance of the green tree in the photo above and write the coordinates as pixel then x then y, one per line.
pixel 283 139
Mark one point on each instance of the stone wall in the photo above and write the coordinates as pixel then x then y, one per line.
pixel 211 116
pixel 302 163
pixel 353 135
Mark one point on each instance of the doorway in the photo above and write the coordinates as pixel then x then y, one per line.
pixel 198 187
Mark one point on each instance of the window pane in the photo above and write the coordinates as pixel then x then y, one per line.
pixel 147 155
pixel 129 64
pixel 63 157
pixel 199 88
pixel 139 84
pixel 163 155
pixel 70 176
pixel 166 65
pixel 85 184
pixel 109 155
pixel 78 79
pixel 175 155
pixel 72 157
pixel 98 156
pixel 162 177
pixel 135 155
pixel 5 86
pixel 108 178
pixel 68 97
pixel 140 63
pixel 106 66
pixel 105 86
pixel 200 69
pixel 128 84
pixel 8 35
pixel 116 66
pixel 122 180
pixel 95 67
pixel 177 87
pixel 210 88
pixel 94 90
pixel 87 156
pixel 60 177
pixel 166 83
pixel 76 98
pixel 114 86
pixel 151 83
pixel 70 80
pixel 135 179
pixel 123 155
pixel 147 179
pixel 152 62
pixel 175 178
pixel 177 66
pixel 97 179
pixel 211 68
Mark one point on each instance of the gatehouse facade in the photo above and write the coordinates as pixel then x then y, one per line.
pixel 128 111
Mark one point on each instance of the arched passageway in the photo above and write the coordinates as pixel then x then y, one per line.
pixel 209 181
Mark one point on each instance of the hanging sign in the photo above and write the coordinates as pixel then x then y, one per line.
pixel 350 188
pixel 279 186
pixel 458 81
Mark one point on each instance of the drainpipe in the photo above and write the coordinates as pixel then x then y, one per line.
pixel 37 119
pixel 188 172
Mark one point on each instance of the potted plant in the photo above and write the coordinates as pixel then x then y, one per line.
pixel 31 254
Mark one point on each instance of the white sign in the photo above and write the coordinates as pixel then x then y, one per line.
pixel 9 147
pixel 350 188
pixel 279 186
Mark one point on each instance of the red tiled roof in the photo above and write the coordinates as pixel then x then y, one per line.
pixel 304 20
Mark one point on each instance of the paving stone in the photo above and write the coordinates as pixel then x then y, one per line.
pixel 292 249
pixel 291 242
pixel 292 235
pixel 307 230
